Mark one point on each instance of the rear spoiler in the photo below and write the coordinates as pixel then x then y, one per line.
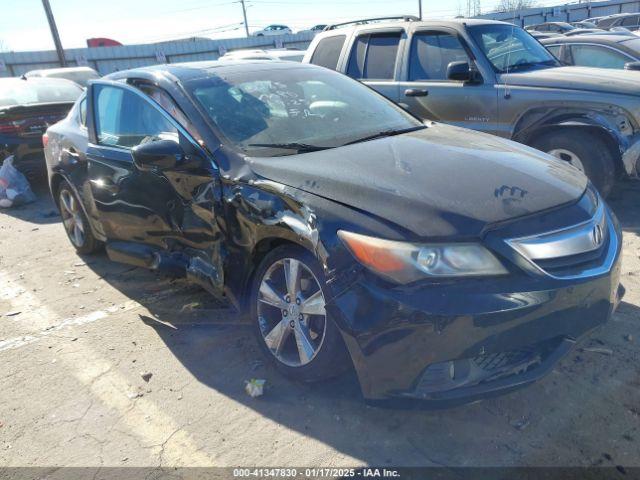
pixel 7 109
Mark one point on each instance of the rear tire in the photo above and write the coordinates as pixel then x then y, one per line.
pixel 75 222
pixel 279 334
pixel 586 152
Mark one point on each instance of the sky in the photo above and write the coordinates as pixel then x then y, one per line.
pixel 23 24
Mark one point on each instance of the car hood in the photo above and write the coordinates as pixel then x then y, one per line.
pixel 437 182
pixel 577 78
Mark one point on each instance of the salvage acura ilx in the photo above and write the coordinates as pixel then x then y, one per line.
pixel 444 265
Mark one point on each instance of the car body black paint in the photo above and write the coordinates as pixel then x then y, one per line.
pixel 222 210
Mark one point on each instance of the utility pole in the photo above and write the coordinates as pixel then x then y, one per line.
pixel 244 14
pixel 54 32
pixel 420 9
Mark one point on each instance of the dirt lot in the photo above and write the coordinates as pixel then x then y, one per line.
pixel 76 334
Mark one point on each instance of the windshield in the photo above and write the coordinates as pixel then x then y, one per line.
pixel 14 91
pixel 277 112
pixel 510 48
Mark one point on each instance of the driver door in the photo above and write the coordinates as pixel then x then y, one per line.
pixel 162 208
pixel 429 94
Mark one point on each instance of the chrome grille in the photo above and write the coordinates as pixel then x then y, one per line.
pixel 574 251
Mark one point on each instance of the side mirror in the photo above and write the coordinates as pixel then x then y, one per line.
pixel 632 66
pixel 158 155
pixel 459 71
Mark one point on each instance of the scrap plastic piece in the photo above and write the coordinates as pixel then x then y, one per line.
pixel 255 387
pixel 14 187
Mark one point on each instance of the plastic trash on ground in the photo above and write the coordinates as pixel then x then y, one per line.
pixel 255 387
pixel 14 187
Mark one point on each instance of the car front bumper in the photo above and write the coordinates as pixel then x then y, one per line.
pixel 451 343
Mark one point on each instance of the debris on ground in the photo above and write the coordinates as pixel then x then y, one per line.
pixel 146 376
pixel 14 187
pixel 190 306
pixel 603 351
pixel 520 423
pixel 134 395
pixel 628 337
pixel 255 387
pixel 12 314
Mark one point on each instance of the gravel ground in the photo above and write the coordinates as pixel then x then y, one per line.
pixel 78 334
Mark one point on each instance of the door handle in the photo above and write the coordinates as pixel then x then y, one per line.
pixel 416 92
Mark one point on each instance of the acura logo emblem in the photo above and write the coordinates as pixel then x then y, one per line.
pixel 597 235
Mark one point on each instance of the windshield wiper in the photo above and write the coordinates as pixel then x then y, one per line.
pixel 298 147
pixel 521 66
pixel 386 133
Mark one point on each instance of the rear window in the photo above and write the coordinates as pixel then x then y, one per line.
pixel 328 51
pixel 631 21
pixel 31 92
pixel 374 56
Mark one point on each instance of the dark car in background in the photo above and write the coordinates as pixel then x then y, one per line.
pixel 553 27
pixel 28 106
pixel 600 51
pixel 443 264
pixel 630 21
pixel 562 28
pixel 495 77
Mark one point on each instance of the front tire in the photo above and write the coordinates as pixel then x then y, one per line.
pixel 289 317
pixel 586 152
pixel 75 222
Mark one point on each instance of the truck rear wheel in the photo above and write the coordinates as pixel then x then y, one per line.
pixel 584 151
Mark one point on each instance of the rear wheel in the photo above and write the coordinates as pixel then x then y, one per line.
pixel 75 221
pixel 291 323
pixel 586 152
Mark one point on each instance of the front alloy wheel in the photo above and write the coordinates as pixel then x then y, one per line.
pixel 292 325
pixel 291 312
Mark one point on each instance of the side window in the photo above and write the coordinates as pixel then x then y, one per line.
pixel 431 54
pixel 631 21
pixel 374 56
pixel 124 119
pixel 82 112
pixel 598 57
pixel 554 50
pixel 328 51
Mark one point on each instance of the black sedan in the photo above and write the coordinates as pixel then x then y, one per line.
pixel 442 264
pixel 27 108
pixel 601 51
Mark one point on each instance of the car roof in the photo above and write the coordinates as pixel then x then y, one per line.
pixel 587 38
pixel 194 70
pixel 452 23
pixel 44 71
pixel 39 80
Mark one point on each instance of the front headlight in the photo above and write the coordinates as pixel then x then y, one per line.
pixel 407 262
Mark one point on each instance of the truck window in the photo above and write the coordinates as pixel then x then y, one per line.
pixel 555 50
pixel 597 57
pixel 328 51
pixel 431 54
pixel 374 56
